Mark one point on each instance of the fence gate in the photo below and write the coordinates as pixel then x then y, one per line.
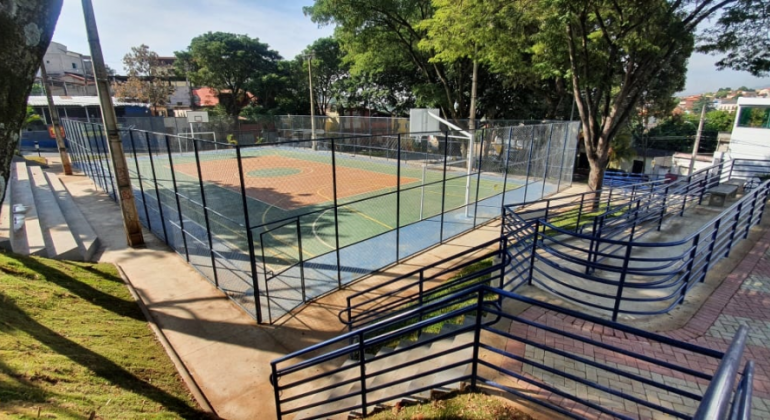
pixel 281 248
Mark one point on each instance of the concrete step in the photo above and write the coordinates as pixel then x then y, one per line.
pixel 88 242
pixel 59 240
pixel 27 239
pixel 6 220
pixel 334 392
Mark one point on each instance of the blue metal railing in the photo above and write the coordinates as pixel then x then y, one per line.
pixel 607 270
pixel 380 363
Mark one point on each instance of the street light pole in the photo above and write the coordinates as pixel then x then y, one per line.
pixel 310 57
pixel 697 139
pixel 125 194
pixel 65 159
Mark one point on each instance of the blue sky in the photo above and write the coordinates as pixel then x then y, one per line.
pixel 169 25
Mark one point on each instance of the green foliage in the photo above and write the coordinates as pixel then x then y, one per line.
pixel 622 148
pixel 328 68
pixel 31 117
pixel 228 63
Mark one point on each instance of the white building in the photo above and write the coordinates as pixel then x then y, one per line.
pixel 58 60
pixel 750 138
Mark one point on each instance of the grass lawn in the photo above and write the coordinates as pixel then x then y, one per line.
pixel 73 342
pixel 456 407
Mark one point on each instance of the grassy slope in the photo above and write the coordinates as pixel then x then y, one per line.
pixel 73 341
pixel 456 407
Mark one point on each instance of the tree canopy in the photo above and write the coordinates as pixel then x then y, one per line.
pixel 228 63
pixel 148 78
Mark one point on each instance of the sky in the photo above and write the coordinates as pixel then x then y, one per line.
pixel 169 25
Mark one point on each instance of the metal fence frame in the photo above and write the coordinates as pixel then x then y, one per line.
pixel 223 242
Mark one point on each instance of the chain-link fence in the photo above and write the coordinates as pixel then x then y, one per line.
pixel 276 224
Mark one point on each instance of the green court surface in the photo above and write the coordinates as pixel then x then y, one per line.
pixel 360 215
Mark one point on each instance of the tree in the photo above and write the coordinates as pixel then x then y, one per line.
pixel 382 36
pixel 229 64
pixel 328 68
pixel 700 103
pixel 148 79
pixel 26 29
pixel 614 51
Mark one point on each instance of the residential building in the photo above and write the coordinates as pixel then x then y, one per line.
pixel 751 131
pixel 69 73
pixel 729 105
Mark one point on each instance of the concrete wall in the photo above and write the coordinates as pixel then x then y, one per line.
pixel 58 60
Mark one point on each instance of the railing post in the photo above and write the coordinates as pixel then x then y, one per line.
pixel 663 208
pixel 534 250
pixel 421 290
pixel 580 213
pixel 622 281
pixel 477 338
pixel 690 264
pixel 276 391
pixel 684 200
pixel 714 238
pixel 751 213
pixel 362 370
pixel 716 399
pixel 732 231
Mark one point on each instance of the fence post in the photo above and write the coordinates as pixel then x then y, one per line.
pixel 157 189
pixel 563 155
pixel 547 159
pixel 443 188
pixel 732 231
pixel 507 148
pixel 534 251
pixel 336 213
pixel 529 163
pixel 478 177
pixel 477 338
pixel 250 239
pixel 362 371
pixel 622 282
pixel 176 196
pixel 205 211
pixel 139 179
pixel 690 264
pixel 714 238
pixel 398 200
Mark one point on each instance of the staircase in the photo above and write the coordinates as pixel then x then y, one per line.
pixel 39 217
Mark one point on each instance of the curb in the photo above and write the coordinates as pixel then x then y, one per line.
pixel 196 392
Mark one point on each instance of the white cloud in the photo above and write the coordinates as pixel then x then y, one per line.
pixel 169 25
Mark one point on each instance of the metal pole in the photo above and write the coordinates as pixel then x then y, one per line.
pixel 157 190
pixel 443 189
pixel 468 175
pixel 422 189
pixel 478 180
pixel 65 159
pixel 336 215
pixel 178 204
pixel 398 198
pixel 547 160
pixel 206 213
pixel 139 180
pixel 125 197
pixel 507 148
pixel 250 238
pixel 697 139
pixel 312 106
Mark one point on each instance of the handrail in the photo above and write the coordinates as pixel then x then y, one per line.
pixel 293 386
pixel 716 400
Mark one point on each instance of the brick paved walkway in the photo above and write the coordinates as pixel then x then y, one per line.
pixel 743 298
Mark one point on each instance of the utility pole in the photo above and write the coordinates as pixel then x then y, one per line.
pixel 65 159
pixel 312 107
pixel 697 139
pixel 125 194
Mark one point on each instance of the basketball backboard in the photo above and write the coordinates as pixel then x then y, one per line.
pixel 421 122
pixel 197 116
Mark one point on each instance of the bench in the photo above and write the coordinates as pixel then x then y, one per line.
pixel 719 194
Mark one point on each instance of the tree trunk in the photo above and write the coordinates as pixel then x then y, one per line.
pixel 26 28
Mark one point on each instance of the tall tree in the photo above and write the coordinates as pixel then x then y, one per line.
pixel 381 36
pixel 26 28
pixel 148 78
pixel 328 68
pixel 615 49
pixel 227 63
